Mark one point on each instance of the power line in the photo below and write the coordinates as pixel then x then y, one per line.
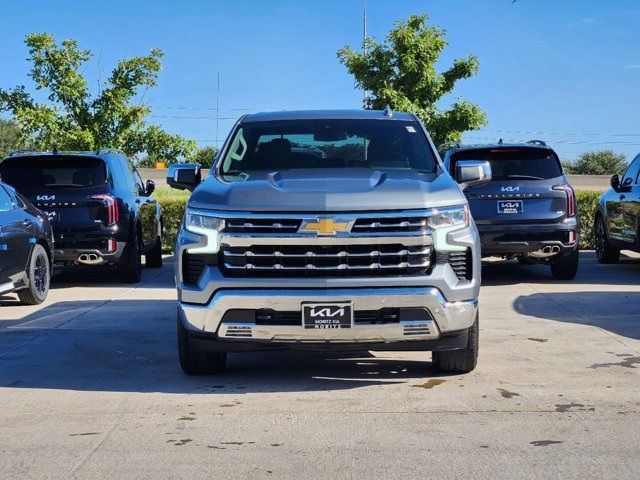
pixel 562 142
pixel 193 117
pixel 566 134
pixel 172 107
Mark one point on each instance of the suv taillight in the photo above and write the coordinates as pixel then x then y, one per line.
pixel 113 208
pixel 571 198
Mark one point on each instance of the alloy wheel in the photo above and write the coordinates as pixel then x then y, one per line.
pixel 40 274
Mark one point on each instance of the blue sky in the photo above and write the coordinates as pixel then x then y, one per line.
pixel 568 69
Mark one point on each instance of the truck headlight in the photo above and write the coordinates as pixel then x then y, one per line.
pixel 208 226
pixel 449 217
pixel 445 220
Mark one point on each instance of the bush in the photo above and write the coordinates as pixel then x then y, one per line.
pixel 587 205
pixel 601 162
pixel 173 211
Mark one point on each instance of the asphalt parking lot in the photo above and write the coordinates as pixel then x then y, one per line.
pixel 90 387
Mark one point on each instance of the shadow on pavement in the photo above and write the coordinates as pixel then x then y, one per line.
pixel 509 272
pixel 616 312
pixel 107 277
pixel 130 346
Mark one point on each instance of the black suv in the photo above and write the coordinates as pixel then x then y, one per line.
pixel 26 243
pixel 617 222
pixel 528 210
pixel 101 211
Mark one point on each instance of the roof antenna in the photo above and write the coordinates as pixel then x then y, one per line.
pixel 387 111
pixel 500 142
pixel 55 149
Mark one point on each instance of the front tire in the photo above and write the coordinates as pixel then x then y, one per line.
pixel 38 276
pixel 565 267
pixel 194 361
pixel 463 360
pixel 130 265
pixel 605 253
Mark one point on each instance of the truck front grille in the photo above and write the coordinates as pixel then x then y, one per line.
pixel 390 224
pixel 327 260
pixel 400 224
pixel 262 225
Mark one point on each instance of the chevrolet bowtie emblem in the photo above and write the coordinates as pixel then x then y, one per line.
pixel 324 226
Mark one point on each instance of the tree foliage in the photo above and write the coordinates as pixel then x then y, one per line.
pixel 601 162
pixel 9 137
pixel 401 72
pixel 204 156
pixel 74 119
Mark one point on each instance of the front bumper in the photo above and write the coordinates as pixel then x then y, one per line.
pixel 444 316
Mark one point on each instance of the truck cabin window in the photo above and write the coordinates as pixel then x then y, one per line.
pixel 329 144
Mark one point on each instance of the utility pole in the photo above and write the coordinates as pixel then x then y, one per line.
pixel 364 46
pixel 218 110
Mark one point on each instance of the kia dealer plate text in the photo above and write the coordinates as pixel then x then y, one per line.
pixel 327 315
pixel 510 206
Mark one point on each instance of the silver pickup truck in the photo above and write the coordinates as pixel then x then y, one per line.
pixel 336 230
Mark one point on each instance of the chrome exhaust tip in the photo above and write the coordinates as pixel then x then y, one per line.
pixel 545 252
pixel 89 259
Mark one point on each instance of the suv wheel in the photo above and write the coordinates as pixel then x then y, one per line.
pixel 196 362
pixel 130 265
pixel 459 361
pixel 39 276
pixel 565 267
pixel 154 257
pixel 604 251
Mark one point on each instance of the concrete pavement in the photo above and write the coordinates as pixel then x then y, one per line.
pixel 90 387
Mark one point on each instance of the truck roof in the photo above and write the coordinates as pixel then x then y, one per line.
pixel 327 115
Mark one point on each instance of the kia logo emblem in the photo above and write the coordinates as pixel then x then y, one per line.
pixel 326 312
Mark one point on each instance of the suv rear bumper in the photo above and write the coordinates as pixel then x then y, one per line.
pixel 63 255
pixel 442 320
pixel 527 238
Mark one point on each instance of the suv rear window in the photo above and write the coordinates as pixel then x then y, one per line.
pixel 29 173
pixel 328 143
pixel 514 163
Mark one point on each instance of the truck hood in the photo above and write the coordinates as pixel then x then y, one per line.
pixel 330 190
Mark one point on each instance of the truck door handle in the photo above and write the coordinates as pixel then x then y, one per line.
pixel 27 223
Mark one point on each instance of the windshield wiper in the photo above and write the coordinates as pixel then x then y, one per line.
pixel 64 185
pixel 526 177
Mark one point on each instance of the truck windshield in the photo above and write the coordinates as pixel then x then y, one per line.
pixel 351 143
pixel 59 171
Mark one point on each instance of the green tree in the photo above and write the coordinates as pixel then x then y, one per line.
pixel 204 156
pixel 73 119
pixel 601 162
pixel 9 137
pixel 401 73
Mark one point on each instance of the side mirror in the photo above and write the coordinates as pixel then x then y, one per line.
pixel 471 173
pixel 184 176
pixel 150 187
pixel 615 182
